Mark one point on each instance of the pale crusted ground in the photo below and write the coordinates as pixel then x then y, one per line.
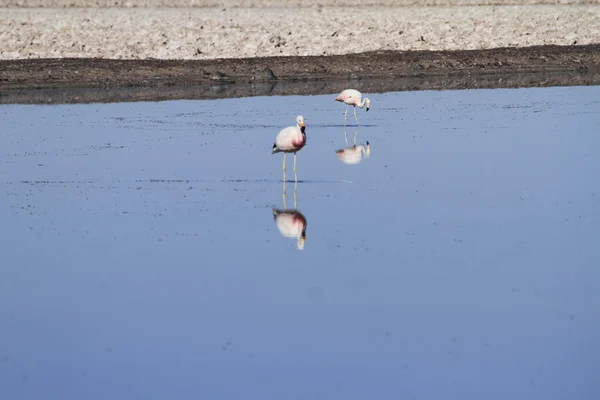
pixel 201 33
pixel 275 3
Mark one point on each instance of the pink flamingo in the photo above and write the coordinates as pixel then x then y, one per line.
pixel 352 97
pixel 290 140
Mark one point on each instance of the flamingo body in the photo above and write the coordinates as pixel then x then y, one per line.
pixel 289 140
pixel 351 97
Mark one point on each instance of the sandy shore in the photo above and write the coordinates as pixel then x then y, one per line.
pixel 208 33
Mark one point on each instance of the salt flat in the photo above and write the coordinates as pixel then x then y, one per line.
pixel 238 31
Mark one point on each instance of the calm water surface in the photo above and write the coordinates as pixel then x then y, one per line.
pixel 141 259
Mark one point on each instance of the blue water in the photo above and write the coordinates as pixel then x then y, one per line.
pixel 140 258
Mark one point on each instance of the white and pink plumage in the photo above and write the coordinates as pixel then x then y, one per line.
pixel 354 154
pixel 352 97
pixel 291 224
pixel 290 140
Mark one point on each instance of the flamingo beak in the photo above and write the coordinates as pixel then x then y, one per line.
pixel 301 243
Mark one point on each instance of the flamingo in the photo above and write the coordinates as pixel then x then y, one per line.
pixel 352 97
pixel 290 222
pixel 290 140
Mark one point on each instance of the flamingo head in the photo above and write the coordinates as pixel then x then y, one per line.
pixel 300 122
pixel 368 150
pixel 368 103
pixel 301 241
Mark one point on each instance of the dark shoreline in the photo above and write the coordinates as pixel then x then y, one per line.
pixel 55 81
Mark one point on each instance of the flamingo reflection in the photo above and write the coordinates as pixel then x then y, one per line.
pixel 290 222
pixel 353 154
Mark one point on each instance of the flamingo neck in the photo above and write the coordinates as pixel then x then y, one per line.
pixel 302 134
pixel 364 102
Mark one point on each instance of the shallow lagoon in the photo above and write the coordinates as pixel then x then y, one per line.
pixel 141 258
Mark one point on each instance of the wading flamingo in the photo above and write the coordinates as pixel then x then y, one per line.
pixel 352 97
pixel 290 222
pixel 290 140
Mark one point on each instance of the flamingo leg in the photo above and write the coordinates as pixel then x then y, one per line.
pixel 346 115
pixel 284 157
pixel 355 117
pixel 295 186
pixel 284 203
pixel 355 134
pixel 295 177
pixel 345 136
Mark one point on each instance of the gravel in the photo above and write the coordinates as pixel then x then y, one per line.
pixel 276 3
pixel 208 33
